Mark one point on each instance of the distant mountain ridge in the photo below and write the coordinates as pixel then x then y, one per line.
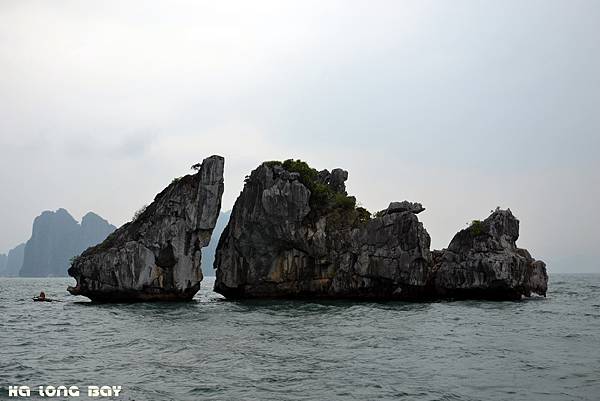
pixel 55 238
pixel 11 263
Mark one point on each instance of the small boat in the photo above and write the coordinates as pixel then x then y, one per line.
pixel 38 299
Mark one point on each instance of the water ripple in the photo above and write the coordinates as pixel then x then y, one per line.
pixel 214 349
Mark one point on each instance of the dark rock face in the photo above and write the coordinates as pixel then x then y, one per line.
pixel 336 180
pixel 405 206
pixel 276 245
pixel 483 261
pixel 57 237
pixel 157 256
pixel 281 243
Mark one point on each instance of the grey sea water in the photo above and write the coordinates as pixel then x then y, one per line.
pixel 212 349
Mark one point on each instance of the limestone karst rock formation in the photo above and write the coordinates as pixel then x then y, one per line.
pixel 157 256
pixel 295 233
pixel 483 261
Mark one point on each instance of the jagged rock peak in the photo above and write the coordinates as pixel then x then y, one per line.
pixel 336 180
pixel 483 261
pixel 157 256
pixel 92 216
pixel 59 214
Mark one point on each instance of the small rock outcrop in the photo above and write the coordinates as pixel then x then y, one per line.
pixel 483 261
pixel 294 232
pixel 157 256
pixel 404 206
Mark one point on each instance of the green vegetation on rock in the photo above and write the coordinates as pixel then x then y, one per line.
pixel 323 197
pixel 476 227
pixel 363 214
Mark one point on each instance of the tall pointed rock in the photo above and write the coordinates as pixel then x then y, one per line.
pixel 157 256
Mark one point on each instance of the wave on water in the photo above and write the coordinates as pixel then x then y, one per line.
pixel 213 349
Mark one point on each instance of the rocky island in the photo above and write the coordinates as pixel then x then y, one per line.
pixel 295 233
pixel 483 261
pixel 157 256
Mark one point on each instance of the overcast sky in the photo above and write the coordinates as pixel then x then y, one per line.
pixel 461 105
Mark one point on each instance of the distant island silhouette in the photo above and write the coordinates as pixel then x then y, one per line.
pixel 56 238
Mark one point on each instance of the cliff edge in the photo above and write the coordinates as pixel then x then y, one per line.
pixel 157 256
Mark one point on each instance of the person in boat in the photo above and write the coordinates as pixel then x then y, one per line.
pixel 42 296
